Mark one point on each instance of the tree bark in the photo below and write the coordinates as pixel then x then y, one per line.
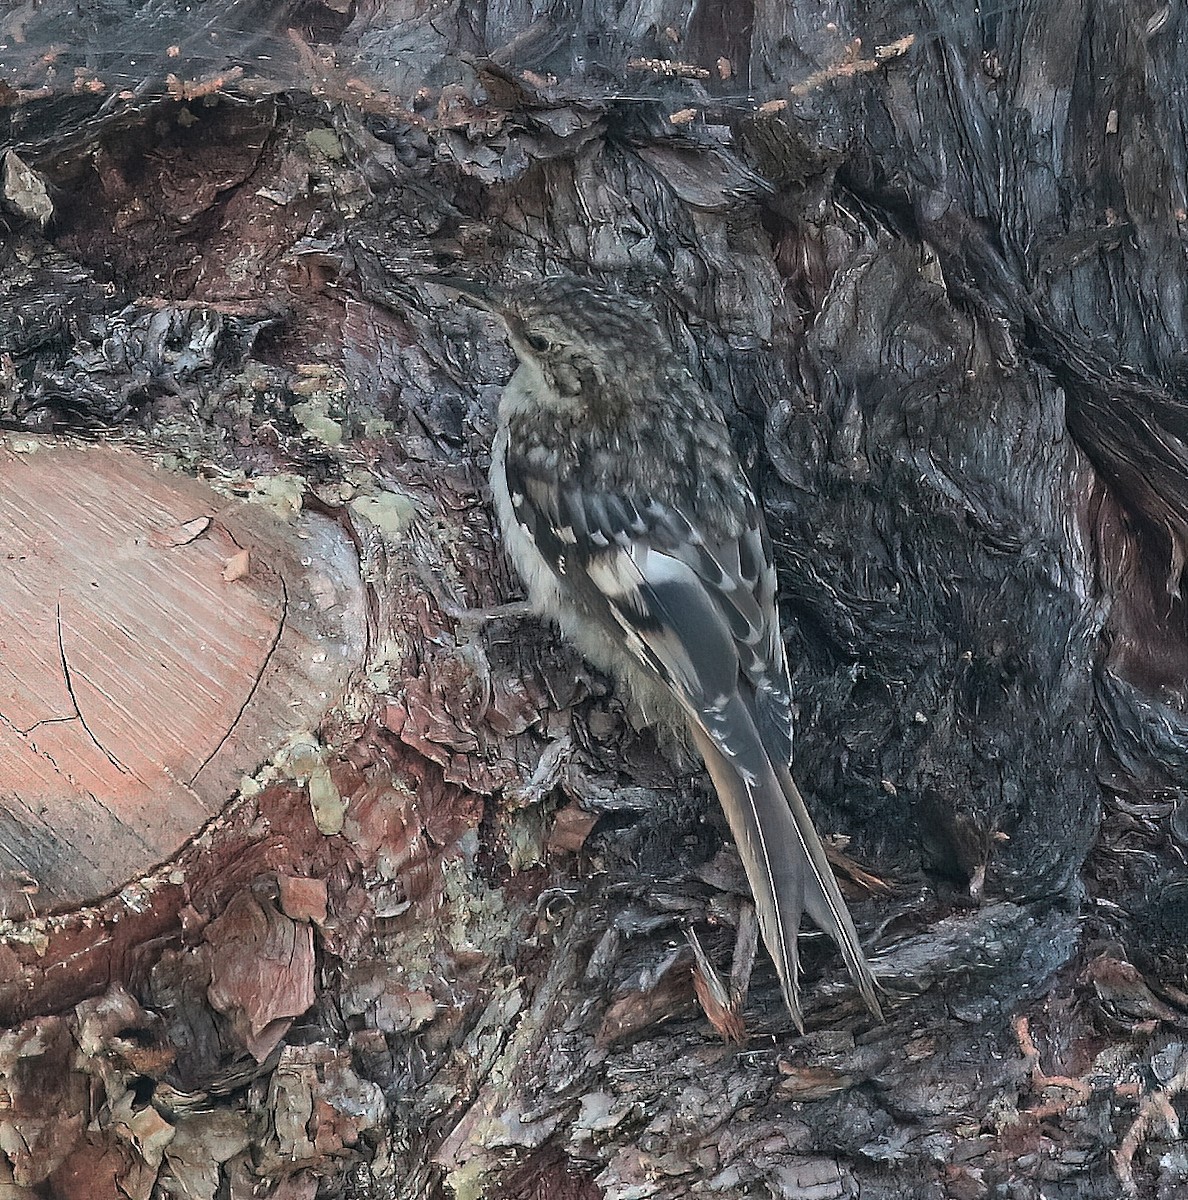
pixel 931 261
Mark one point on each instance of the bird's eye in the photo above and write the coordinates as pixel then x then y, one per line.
pixel 537 341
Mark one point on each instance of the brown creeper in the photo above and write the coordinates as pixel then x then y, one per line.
pixel 628 515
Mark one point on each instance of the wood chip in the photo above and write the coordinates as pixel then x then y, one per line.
pixel 237 566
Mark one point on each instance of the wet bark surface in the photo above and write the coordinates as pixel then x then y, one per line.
pixel 936 277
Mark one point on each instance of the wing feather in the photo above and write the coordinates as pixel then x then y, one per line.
pixel 700 612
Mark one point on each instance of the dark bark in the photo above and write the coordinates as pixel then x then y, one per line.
pixel 941 291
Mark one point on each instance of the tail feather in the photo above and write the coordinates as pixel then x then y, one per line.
pixel 784 861
pixel 824 900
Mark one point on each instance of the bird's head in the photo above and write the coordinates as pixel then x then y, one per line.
pixel 582 345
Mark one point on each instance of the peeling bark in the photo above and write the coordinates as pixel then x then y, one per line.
pixel 931 261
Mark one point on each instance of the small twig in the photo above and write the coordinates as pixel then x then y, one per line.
pixel 1154 1106
pixel 721 1004
pixel 199 89
pixel 1081 1091
pixel 847 67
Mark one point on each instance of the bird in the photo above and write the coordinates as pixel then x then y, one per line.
pixel 626 511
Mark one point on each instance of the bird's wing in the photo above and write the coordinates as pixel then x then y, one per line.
pixel 701 614
pixel 624 556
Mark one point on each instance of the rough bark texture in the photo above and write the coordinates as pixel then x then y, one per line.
pixel 940 287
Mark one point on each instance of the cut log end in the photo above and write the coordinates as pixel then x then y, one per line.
pixel 158 641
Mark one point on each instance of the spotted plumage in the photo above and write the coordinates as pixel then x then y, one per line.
pixel 628 515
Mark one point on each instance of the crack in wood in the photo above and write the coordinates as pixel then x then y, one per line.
pixel 260 673
pixel 111 758
pixel 24 733
pixel 26 736
pixel 38 724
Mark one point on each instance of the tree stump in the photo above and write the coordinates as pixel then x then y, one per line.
pixel 161 642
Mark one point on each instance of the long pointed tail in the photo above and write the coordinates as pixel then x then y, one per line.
pixel 784 861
